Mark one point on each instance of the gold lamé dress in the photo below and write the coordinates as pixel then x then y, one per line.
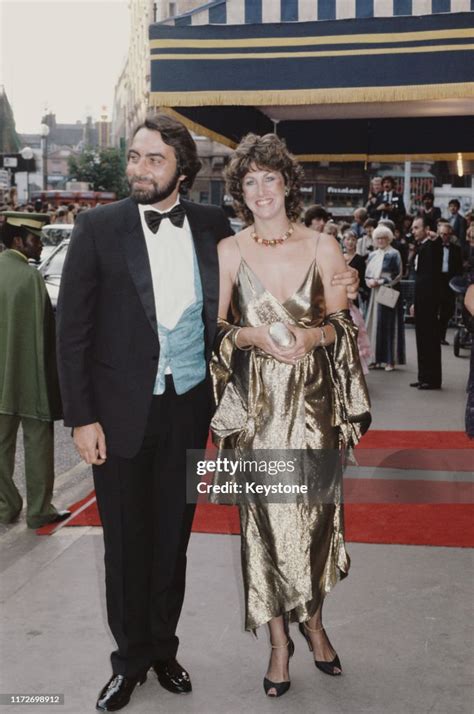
pixel 292 553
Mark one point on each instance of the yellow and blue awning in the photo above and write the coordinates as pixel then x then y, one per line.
pixel 395 87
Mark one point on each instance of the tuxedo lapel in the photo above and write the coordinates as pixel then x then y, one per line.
pixel 136 255
pixel 205 245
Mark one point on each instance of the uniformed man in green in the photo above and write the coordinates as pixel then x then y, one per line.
pixel 29 392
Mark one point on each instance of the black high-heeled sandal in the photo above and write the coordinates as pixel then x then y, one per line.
pixel 280 687
pixel 326 667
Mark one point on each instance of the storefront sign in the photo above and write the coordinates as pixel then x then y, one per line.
pixel 345 190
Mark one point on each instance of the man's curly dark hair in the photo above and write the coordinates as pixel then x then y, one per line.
pixel 266 152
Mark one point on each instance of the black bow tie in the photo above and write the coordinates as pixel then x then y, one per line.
pixel 154 218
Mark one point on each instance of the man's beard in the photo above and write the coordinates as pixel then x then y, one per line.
pixel 155 194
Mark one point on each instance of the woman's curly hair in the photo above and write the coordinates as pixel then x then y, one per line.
pixel 266 152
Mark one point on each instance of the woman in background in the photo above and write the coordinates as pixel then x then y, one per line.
pixel 354 260
pixel 385 324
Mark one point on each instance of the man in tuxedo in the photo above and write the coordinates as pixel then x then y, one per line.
pixel 458 223
pixel 137 316
pixel 389 204
pixel 428 264
pixel 452 265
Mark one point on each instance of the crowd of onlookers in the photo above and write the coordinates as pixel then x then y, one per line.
pixel 365 220
pixel 383 243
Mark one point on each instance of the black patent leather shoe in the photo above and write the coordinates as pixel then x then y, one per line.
pixel 425 385
pixel 117 692
pixel 173 677
pixel 414 384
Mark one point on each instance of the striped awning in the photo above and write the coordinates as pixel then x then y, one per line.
pixel 366 89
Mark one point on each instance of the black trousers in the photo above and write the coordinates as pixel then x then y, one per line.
pixel 147 523
pixel 428 342
pixel 447 303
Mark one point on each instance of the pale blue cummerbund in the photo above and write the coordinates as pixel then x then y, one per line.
pixel 182 348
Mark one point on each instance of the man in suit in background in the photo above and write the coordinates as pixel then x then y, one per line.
pixel 389 204
pixel 374 190
pixel 452 265
pixel 428 264
pixel 458 223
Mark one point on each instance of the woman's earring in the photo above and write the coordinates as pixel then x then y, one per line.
pixel 287 191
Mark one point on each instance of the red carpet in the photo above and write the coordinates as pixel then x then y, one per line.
pixel 393 520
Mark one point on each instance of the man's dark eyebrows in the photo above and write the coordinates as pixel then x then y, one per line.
pixel 137 153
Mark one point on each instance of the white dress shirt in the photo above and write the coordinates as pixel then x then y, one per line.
pixel 445 268
pixel 171 255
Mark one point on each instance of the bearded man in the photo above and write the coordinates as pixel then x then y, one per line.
pixel 136 318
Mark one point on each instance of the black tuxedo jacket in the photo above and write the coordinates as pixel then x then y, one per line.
pixel 454 260
pixel 428 275
pixel 108 346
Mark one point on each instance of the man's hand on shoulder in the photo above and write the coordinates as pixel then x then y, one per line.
pixel 348 278
pixel 89 441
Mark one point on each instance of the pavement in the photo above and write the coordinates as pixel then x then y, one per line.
pixel 401 622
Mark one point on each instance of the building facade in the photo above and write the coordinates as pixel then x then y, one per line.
pixel 133 85
pixel 340 187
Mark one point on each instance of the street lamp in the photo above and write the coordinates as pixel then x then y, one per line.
pixel 27 154
pixel 44 131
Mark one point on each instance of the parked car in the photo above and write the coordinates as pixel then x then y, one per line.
pixel 51 269
pixel 51 237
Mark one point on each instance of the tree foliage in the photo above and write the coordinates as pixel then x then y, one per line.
pixel 103 169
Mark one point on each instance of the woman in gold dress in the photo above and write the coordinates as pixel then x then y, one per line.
pixel 311 395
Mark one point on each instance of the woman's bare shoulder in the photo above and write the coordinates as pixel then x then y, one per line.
pixel 322 240
pixel 226 244
pixel 328 245
pixel 305 233
pixel 329 255
pixel 229 252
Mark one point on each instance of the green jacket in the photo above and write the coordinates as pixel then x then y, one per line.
pixel 28 376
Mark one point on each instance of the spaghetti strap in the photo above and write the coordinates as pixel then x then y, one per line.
pixel 316 243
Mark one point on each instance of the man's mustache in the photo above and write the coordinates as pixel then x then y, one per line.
pixel 140 178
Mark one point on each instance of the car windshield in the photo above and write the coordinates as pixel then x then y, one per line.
pixel 54 236
pixel 55 265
